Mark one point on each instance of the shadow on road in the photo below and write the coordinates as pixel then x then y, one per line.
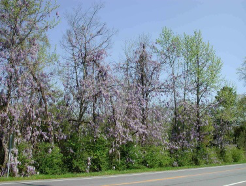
pixel 33 184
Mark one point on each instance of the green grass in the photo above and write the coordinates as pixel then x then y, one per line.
pixel 104 173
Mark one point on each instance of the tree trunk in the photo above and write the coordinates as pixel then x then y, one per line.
pixel 175 104
pixel 6 151
pixel 198 102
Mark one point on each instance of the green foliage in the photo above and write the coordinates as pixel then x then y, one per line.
pixel 156 156
pixel 133 156
pixel 232 154
pixel 206 155
pixel 227 155
pixel 225 116
pixel 207 130
pixel 213 156
pixel 98 151
pixel 170 43
pixel 75 155
pixel 226 100
pixel 78 149
pixel 128 156
pixel 240 128
pixel 205 66
pixel 226 97
pixel 184 157
pixel 237 154
pixel 242 72
pixel 24 157
pixel 48 159
pixel 200 157
pixel 241 142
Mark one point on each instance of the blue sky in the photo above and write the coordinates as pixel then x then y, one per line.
pixel 222 22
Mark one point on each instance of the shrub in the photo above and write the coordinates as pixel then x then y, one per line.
pixel 25 158
pixel 129 156
pixel 48 159
pixel 134 156
pixel 212 156
pixel 184 157
pixel 237 154
pixel 156 157
pixel 77 151
pixel 74 154
pixel 99 155
pixel 227 155
pixel 232 154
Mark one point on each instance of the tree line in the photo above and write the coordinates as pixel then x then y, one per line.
pixel 163 104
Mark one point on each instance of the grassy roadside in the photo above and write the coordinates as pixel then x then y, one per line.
pixel 104 173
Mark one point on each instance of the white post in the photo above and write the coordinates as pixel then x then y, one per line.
pixel 8 164
pixel 10 147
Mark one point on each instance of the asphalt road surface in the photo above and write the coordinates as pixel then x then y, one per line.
pixel 211 176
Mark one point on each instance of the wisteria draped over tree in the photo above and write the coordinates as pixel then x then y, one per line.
pixel 25 88
pixel 142 85
pixel 86 42
pixel 161 105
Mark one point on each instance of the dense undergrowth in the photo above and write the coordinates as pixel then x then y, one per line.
pixel 50 160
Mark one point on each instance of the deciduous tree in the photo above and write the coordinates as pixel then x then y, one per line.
pixel 25 89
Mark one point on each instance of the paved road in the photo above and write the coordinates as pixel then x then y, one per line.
pixel 210 176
